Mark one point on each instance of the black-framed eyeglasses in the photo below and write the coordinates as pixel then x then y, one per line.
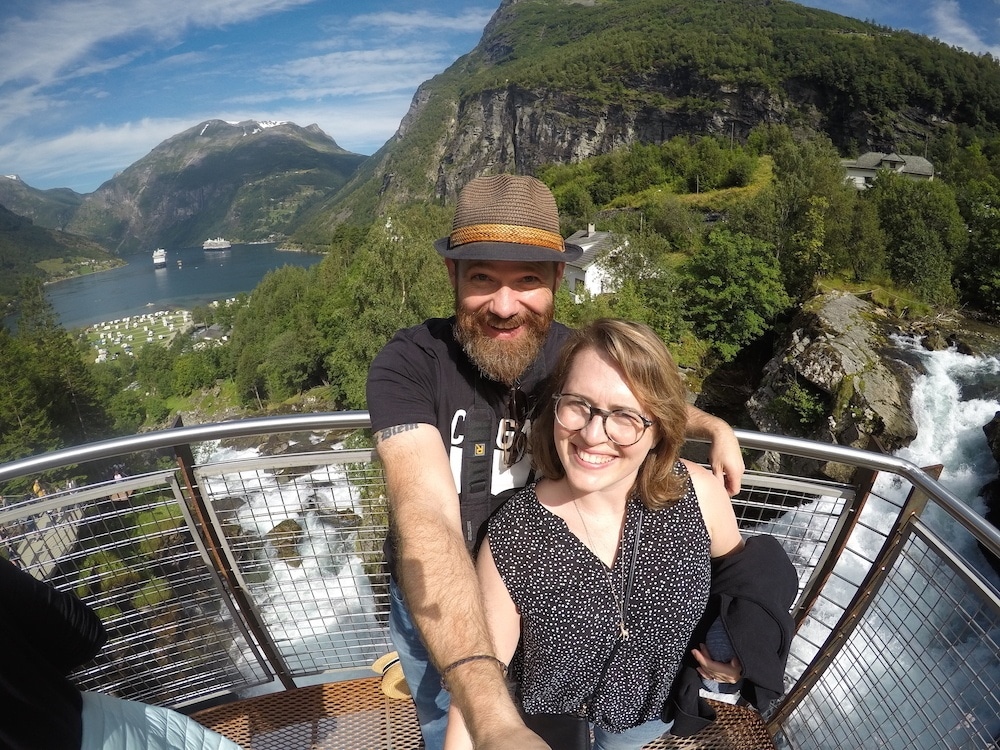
pixel 623 427
pixel 517 411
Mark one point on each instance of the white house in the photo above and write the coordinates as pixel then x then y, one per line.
pixel 585 273
pixel 861 172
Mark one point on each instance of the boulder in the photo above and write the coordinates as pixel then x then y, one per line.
pixel 992 431
pixel 835 380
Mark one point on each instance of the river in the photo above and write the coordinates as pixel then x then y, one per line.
pixel 137 288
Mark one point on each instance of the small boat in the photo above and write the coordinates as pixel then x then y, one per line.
pixel 218 243
pixel 159 258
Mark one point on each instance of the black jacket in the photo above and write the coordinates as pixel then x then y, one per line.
pixel 752 591
pixel 44 635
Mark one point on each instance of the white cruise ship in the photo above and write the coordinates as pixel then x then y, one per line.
pixel 159 258
pixel 216 244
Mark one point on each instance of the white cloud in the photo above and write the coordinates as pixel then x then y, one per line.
pixel 57 39
pixel 951 27
pixel 471 20
pixel 358 72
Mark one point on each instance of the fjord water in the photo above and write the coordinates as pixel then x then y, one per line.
pixel 138 288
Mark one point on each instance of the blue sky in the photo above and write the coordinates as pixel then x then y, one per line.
pixel 88 87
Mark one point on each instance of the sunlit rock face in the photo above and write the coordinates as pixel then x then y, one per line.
pixel 837 379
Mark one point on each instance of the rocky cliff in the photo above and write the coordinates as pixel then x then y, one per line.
pixel 836 379
pixel 518 130
pixel 556 81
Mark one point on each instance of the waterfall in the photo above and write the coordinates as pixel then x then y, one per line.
pixel 952 400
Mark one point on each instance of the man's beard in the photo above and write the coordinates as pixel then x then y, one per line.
pixel 501 360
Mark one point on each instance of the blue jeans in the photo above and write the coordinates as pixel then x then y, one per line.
pixel 630 739
pixel 430 699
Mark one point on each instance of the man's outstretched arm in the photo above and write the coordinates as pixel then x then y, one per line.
pixel 439 583
pixel 724 456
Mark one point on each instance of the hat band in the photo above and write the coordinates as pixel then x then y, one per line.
pixel 506 233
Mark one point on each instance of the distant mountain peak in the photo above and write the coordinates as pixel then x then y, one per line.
pixel 14 177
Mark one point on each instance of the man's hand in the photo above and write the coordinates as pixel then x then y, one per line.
pixel 726 459
pixel 724 456
pixel 728 672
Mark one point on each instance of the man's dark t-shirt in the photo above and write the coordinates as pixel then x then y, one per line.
pixel 423 376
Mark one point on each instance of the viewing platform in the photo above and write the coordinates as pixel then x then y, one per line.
pixel 248 589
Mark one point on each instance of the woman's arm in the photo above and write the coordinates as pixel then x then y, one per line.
pixel 717 510
pixel 504 624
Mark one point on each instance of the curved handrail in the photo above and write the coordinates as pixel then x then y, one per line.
pixel 353 420
pixel 342 420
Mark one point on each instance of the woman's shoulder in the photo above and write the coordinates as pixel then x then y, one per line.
pixel 704 481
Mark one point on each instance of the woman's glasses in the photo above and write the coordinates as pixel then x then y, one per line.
pixel 623 427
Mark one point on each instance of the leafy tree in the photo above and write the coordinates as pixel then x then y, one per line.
pixel 56 366
pixel 924 233
pixel 154 369
pixel 732 290
pixel 193 371
pixel 679 225
pixel 396 279
pixel 866 242
pixel 282 309
pixel 25 424
pixel 979 267
pixel 811 208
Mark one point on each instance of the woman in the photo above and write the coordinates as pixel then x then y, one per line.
pixel 602 568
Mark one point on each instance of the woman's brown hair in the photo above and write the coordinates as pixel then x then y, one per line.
pixel 651 375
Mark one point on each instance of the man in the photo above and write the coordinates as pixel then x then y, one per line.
pixel 449 403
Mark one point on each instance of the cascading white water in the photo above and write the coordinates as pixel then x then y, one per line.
pixel 952 400
pixel 318 604
pixel 953 397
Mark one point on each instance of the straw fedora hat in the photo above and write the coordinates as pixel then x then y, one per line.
pixel 506 217
pixel 393 683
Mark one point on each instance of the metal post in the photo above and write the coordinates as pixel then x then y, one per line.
pixel 216 547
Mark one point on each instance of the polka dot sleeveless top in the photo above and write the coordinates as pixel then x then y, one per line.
pixel 569 615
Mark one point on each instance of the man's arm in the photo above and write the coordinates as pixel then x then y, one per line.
pixel 505 630
pixel 439 582
pixel 724 456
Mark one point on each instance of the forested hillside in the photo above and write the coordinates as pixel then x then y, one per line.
pixel 27 250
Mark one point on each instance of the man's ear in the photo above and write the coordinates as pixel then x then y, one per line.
pixel 560 269
pixel 452 272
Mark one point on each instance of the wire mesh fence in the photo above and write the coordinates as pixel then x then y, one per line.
pixel 128 550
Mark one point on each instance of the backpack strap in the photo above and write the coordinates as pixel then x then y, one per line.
pixel 477 463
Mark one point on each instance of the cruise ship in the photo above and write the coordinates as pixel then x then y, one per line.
pixel 217 243
pixel 159 258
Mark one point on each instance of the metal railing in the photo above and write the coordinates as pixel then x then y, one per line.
pixel 242 571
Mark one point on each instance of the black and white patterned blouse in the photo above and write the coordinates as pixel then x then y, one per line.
pixel 569 617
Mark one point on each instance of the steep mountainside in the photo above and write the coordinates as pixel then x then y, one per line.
pixel 562 80
pixel 52 209
pixel 247 181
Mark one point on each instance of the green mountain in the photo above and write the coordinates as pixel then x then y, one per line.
pixel 47 208
pixel 247 182
pixel 30 250
pixel 557 81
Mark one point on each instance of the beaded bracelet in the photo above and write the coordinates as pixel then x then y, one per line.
pixel 467 659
